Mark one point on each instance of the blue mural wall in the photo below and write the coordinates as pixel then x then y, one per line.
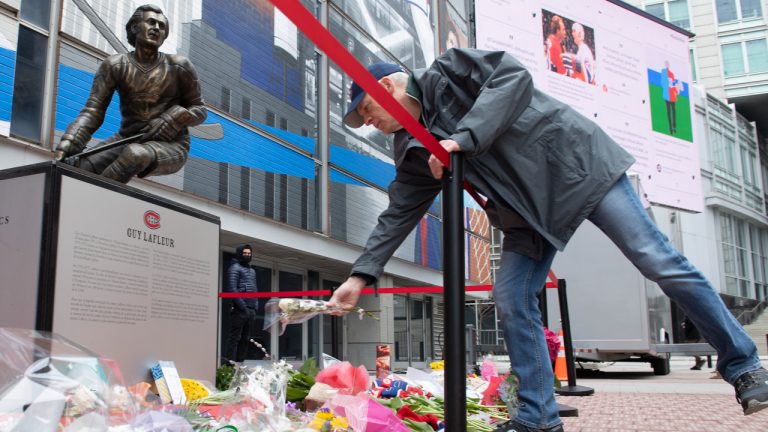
pixel 7 68
pixel 248 27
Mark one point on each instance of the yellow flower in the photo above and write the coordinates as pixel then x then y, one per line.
pixel 316 423
pixel 324 415
pixel 193 389
pixel 437 365
pixel 339 423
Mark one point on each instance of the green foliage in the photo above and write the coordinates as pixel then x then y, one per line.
pixel 224 376
pixel 301 381
pixel 415 426
pixel 309 367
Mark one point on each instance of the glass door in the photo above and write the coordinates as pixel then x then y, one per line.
pixel 413 330
pixel 263 284
pixel 291 343
pixel 333 329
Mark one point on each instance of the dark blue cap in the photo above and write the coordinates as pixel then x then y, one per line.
pixel 356 93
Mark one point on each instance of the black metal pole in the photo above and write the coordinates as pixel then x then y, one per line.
pixel 571 389
pixel 453 283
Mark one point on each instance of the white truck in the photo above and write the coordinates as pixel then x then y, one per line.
pixel 616 314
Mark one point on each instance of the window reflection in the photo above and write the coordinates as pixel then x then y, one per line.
pixel 28 84
pixel 413 329
pixel 290 346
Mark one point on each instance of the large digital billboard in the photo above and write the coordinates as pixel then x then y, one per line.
pixel 628 73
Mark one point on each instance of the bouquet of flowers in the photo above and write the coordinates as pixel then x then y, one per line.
pixel 293 311
pixel 326 420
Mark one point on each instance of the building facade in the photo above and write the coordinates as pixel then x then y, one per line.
pixel 729 58
pixel 288 177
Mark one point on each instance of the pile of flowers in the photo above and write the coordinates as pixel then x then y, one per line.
pixel 86 394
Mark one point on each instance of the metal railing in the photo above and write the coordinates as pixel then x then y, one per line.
pixel 747 317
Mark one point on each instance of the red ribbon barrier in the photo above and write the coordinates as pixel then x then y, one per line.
pixel 551 283
pixel 314 30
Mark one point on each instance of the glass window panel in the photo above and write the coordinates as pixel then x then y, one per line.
pixel 401 28
pixel 726 10
pixel 400 315
pixel 756 249
pixel 678 13
pixel 291 343
pixel 744 288
pixel 757 55
pixel 738 233
pixel 28 84
pixel 418 351
pixel 733 59
pixel 745 168
pixel 693 66
pixel 263 284
pixel 751 9
pixel 226 99
pixel 718 148
pixel 332 327
pixel 729 261
pixel 730 153
pixel 656 10
pixel 743 263
pixel 470 315
pixel 37 12
pixel 764 254
pixel 245 109
pixel 428 333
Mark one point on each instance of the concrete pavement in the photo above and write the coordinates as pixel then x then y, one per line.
pixel 629 398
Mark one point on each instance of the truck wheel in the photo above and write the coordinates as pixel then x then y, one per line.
pixel 660 366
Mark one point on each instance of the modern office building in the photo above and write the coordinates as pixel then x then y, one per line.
pixel 729 58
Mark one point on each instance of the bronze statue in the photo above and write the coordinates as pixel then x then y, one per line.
pixel 160 98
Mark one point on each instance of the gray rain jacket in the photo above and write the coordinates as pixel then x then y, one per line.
pixel 543 166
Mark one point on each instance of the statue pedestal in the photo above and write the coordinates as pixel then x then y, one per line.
pixel 129 275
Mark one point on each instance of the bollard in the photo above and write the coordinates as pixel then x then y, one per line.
pixel 453 281
pixel 571 389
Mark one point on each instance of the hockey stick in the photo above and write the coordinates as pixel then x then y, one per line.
pixel 207 131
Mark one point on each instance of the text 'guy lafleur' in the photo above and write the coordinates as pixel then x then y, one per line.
pixel 149 237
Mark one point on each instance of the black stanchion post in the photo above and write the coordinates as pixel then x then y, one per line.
pixel 453 281
pixel 543 306
pixel 571 389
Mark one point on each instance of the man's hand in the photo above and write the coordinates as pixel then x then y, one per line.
pixel 437 167
pixel 159 129
pixel 64 149
pixel 347 295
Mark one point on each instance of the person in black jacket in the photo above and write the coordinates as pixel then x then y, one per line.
pixel 544 169
pixel 241 278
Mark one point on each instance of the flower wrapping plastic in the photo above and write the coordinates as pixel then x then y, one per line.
pixel 345 377
pixel 294 311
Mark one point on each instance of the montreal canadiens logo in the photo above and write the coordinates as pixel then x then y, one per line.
pixel 152 219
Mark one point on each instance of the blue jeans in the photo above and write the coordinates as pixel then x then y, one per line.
pixel 621 216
